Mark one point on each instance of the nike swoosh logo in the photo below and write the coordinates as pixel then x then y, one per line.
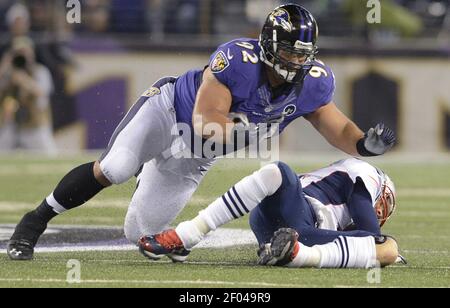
pixel 230 57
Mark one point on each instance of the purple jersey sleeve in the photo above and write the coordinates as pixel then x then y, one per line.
pixel 319 86
pixel 235 64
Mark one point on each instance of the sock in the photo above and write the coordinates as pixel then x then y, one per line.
pixel 236 203
pixel 344 252
pixel 305 257
pixel 192 232
pixel 243 197
pixel 201 225
pixel 75 189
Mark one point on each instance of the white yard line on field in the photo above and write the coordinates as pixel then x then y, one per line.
pixel 420 267
pixel 163 282
pixel 35 169
pixel 419 237
pixel 424 214
pixel 252 284
pixel 122 203
pixel 220 238
pixel 423 192
pixel 425 252
pixel 7 206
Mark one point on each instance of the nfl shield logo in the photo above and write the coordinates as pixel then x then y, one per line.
pixel 289 110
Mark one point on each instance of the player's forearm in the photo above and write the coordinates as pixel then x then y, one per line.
pixel 347 138
pixel 313 236
pixel 214 126
pixel 337 128
pixel 361 209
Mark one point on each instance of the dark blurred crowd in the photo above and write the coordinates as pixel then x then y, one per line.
pixel 35 38
pixel 160 17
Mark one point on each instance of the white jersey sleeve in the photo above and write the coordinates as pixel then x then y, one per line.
pixel 372 179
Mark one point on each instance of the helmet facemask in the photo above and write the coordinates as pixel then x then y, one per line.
pixel 279 55
pixel 387 201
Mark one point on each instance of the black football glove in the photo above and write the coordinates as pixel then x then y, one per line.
pixel 376 141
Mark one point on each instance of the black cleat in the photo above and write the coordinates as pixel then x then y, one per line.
pixel 26 235
pixel 283 248
pixel 21 250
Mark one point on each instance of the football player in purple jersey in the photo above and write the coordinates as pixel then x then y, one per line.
pixel 247 84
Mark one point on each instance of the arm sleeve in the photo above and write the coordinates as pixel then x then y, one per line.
pixel 327 88
pixel 361 209
pixel 362 212
pixel 227 66
pixel 311 236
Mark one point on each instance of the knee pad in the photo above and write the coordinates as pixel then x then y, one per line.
pixel 270 177
pixel 119 166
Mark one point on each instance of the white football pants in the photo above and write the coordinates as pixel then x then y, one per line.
pixel 142 143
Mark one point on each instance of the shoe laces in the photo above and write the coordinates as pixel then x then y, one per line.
pixel 169 240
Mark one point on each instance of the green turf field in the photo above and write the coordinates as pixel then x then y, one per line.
pixel 421 225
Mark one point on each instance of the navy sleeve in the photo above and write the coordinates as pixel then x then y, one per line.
pixel 311 236
pixel 362 210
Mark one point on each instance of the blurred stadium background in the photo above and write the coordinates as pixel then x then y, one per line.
pixel 397 71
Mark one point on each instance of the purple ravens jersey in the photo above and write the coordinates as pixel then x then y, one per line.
pixel 237 65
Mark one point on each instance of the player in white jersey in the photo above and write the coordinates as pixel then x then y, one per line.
pixel 329 201
pixel 331 217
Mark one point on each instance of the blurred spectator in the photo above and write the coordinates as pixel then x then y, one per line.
pixel 18 20
pixel 4 7
pixel 129 16
pixel 444 34
pixel 182 16
pixel 155 18
pixel 96 16
pixel 50 48
pixel 395 18
pixel 230 17
pixel 25 88
pixel 41 12
pixel 256 10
